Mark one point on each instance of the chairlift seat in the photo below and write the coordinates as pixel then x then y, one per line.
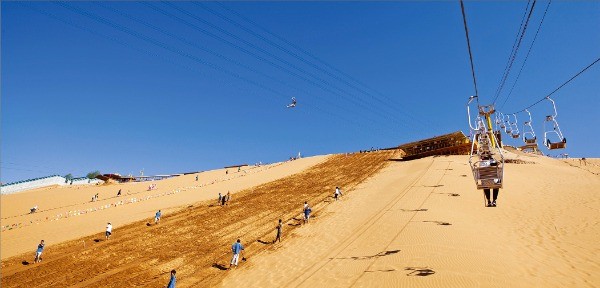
pixel 530 141
pixel 557 145
pixel 488 177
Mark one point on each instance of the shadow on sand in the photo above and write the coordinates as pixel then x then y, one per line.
pixel 414 210
pixel 219 266
pixel 450 194
pixel 381 270
pixel 381 254
pixel 439 223
pixel 419 271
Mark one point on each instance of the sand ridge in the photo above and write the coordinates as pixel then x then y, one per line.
pixel 73 198
pixel 195 240
pixel 417 223
pixel 429 228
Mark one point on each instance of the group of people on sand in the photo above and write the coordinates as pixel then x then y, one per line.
pixel 224 199
pixel 95 197
pixel 152 187
pixel 237 249
pixel 369 150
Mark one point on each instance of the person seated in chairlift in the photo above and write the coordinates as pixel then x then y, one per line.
pixel 488 161
pixel 293 104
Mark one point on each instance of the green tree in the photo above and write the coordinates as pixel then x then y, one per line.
pixel 68 177
pixel 93 174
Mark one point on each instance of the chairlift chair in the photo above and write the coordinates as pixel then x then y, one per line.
pixel 515 128
pixel 488 171
pixel 498 122
pixel 293 104
pixel 508 127
pixel 562 143
pixel 501 119
pixel 528 131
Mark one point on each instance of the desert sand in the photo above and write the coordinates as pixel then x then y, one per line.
pixel 416 223
pixel 55 200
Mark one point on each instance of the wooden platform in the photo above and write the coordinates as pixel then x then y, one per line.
pixel 455 143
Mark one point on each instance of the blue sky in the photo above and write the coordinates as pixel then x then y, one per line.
pixel 177 87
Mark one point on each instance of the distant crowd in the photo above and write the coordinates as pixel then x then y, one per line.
pixel 369 150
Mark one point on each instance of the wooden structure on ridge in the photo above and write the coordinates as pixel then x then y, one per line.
pixel 449 144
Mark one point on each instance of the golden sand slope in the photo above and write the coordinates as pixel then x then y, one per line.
pixel 196 240
pixel 423 224
pixel 56 200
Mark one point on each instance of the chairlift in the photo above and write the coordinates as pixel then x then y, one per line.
pixel 562 141
pixel 501 119
pixel 293 104
pixel 515 128
pixel 508 127
pixel 528 131
pixel 498 122
pixel 488 169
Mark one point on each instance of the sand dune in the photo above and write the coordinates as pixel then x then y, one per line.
pixel 194 240
pixel 418 223
pixel 422 224
pixel 56 200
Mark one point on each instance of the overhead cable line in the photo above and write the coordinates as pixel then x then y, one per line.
pixel 527 55
pixel 512 49
pixel 304 51
pixel 216 54
pixel 462 8
pixel 512 58
pixel 304 60
pixel 559 87
pixel 325 85
pixel 183 54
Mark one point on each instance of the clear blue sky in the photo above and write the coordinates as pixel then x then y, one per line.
pixel 168 88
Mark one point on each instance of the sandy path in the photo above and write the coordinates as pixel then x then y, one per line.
pixel 422 224
pixel 194 240
pixel 55 200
